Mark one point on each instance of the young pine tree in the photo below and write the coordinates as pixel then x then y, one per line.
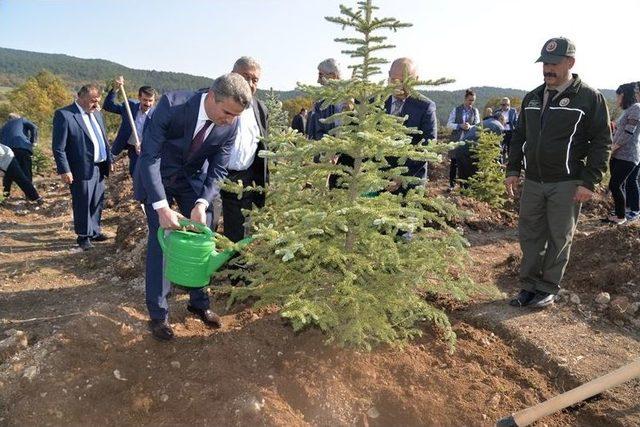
pixel 331 257
pixel 278 118
pixel 487 184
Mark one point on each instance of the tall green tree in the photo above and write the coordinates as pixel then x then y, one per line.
pixel 332 257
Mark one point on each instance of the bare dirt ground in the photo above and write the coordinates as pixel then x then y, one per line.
pixel 89 359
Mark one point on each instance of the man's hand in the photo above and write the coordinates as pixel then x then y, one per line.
pixel 118 83
pixel 583 194
pixel 138 148
pixel 512 183
pixel 168 218
pixel 465 126
pixel 67 178
pixel 393 185
pixel 199 214
pixel 112 167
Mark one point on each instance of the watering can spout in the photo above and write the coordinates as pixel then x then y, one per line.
pixel 218 259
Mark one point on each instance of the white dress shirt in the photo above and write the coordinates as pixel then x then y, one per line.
pixel 202 119
pixel 96 145
pixel 505 114
pixel 246 143
pixel 139 121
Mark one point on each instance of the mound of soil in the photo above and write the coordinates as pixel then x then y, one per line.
pixel 104 369
pixel 483 217
pixel 604 260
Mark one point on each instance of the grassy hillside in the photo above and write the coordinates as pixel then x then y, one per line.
pixel 17 65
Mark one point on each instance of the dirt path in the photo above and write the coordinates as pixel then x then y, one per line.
pixel 576 340
pixel 91 361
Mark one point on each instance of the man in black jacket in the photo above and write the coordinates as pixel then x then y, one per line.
pixel 562 140
pixel 299 121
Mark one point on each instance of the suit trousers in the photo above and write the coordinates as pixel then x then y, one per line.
pixel 548 219
pixel 157 288
pixel 15 173
pixel 87 197
pixel 23 157
pixel 234 219
pixel 133 159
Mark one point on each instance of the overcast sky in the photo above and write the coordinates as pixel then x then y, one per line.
pixel 477 43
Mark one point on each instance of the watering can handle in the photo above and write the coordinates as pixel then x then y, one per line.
pixel 184 223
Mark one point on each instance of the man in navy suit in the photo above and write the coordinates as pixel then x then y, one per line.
pixel 421 115
pixel 244 163
pixel 83 160
pixel 21 136
pixel 141 110
pixel 184 157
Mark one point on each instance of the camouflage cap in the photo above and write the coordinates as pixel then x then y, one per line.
pixel 555 49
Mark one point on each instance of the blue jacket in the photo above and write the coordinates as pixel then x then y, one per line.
pixel 124 132
pixel 167 138
pixel 72 145
pixel 19 133
pixel 422 115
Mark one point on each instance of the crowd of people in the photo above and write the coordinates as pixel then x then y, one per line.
pixel 180 149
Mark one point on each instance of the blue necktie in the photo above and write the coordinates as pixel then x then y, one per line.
pixel 98 133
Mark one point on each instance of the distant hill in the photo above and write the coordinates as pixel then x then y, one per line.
pixel 17 65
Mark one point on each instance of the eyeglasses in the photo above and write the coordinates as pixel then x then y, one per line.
pixel 504 105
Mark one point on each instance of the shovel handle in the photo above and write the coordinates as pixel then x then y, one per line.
pixel 593 387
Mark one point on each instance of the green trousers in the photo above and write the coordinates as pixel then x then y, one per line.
pixel 548 219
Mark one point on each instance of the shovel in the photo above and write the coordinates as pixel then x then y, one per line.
pixel 578 394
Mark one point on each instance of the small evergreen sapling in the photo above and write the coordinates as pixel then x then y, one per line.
pixel 487 184
pixel 330 257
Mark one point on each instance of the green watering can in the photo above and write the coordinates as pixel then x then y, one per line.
pixel 190 257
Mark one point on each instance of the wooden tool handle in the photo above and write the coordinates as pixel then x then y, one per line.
pixel 578 394
pixel 133 123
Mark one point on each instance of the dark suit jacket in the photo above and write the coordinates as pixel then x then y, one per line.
pixel 167 139
pixel 72 145
pixel 422 115
pixel 298 123
pixel 19 133
pixel 124 132
pixel 315 128
pixel 259 165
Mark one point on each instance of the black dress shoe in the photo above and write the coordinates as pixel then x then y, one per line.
pixel 542 299
pixel 207 316
pixel 161 329
pixel 523 298
pixel 85 244
pixel 100 238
